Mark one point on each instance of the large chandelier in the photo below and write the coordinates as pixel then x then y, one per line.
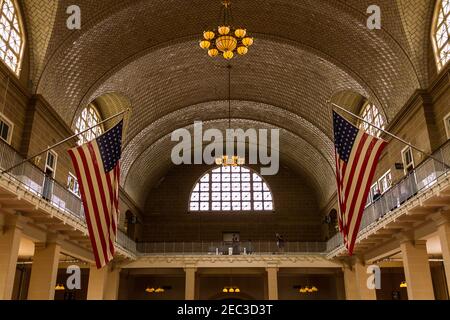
pixel 229 160
pixel 226 39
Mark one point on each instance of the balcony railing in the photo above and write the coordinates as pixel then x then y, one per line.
pixel 416 182
pixel 229 248
pixel 35 181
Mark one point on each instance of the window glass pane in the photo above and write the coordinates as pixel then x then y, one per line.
pixel 246 206
pixel 194 206
pixel 226 196
pixel 204 196
pixel 258 196
pixel 236 187
pixel 226 206
pixel 236 196
pixel 258 206
pixel 257 186
pixel 236 206
pixel 195 196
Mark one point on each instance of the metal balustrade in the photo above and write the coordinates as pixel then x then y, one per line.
pixel 35 181
pixel 416 182
pixel 31 178
pixel 229 248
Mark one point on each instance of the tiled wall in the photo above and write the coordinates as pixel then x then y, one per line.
pixel 167 218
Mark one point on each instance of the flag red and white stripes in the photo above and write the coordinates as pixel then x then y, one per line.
pixel 97 167
pixel 357 155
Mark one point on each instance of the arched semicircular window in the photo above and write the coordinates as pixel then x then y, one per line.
pixel 11 35
pixel 231 189
pixel 441 33
pixel 372 114
pixel 88 118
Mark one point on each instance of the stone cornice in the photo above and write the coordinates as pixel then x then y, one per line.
pixel 213 261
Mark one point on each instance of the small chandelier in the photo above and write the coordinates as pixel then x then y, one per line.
pixel 226 39
pixel 307 289
pixel 155 290
pixel 403 284
pixel 232 161
pixel 231 290
pixel 60 287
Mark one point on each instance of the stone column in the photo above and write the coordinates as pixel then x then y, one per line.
pixel 44 271
pixel 97 283
pixel 190 283
pixel 9 250
pixel 351 292
pixel 112 284
pixel 272 282
pixel 417 270
pixel 361 277
pixel 443 226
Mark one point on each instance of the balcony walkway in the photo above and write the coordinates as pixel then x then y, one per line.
pixel 405 205
pixel 47 203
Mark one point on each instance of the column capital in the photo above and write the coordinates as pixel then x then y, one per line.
pixel 349 262
pixel 191 267
pixel 442 217
pixel 272 267
pixel 405 236
pixel 13 220
pixel 51 239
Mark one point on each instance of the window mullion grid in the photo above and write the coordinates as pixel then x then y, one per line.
pixel 241 182
pixel 211 192
pixel 252 203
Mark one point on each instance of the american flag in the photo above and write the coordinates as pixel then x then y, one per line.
pixel 357 155
pixel 97 168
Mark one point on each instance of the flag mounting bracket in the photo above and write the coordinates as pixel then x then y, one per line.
pixel 64 141
pixel 391 135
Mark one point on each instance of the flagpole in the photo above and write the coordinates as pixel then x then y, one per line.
pixel 64 141
pixel 391 135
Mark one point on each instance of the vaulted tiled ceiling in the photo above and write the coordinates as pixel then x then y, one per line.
pixel 304 53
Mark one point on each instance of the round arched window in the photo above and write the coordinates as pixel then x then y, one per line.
pixel 231 189
pixel 441 32
pixel 11 35
pixel 371 114
pixel 88 118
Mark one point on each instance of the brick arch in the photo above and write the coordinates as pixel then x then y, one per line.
pixel 394 79
pixel 295 152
